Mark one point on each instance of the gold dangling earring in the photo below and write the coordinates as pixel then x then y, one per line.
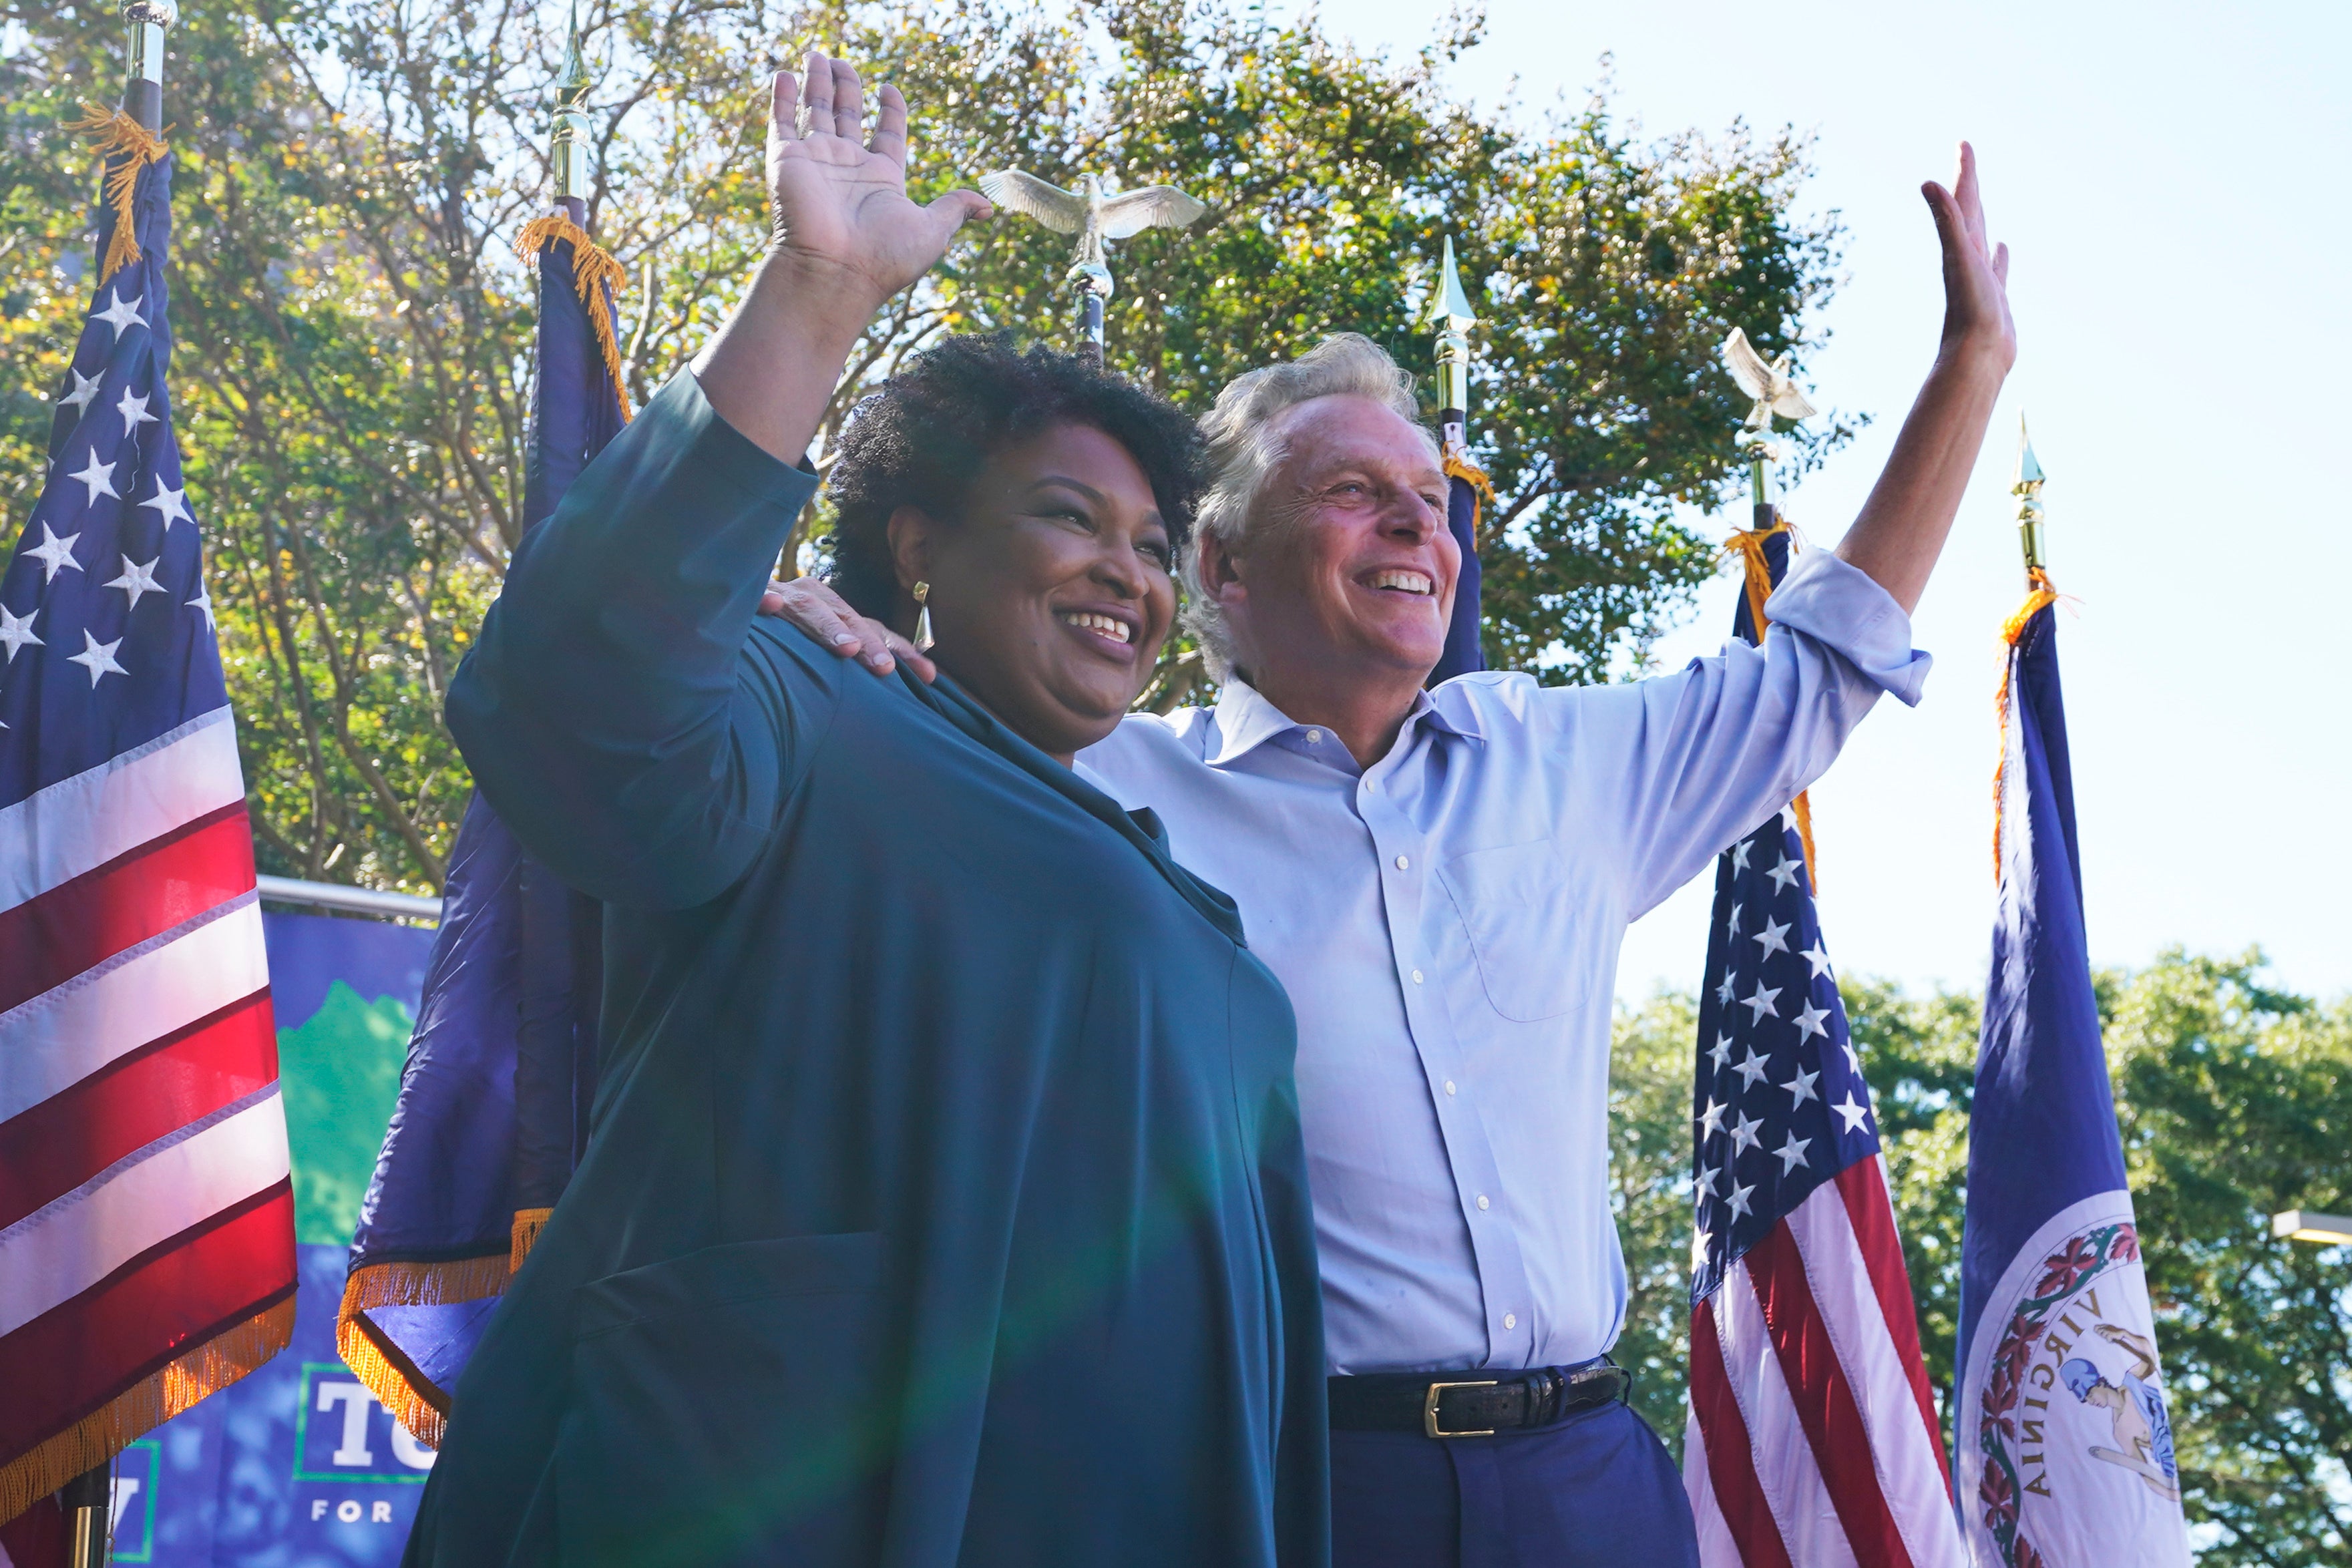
pixel 922 618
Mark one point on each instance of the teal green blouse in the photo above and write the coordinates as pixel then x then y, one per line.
pixel 945 1202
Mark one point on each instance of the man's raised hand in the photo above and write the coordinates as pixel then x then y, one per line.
pixel 1976 271
pixel 838 208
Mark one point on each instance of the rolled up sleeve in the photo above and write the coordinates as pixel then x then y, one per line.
pixel 1842 607
pixel 1727 740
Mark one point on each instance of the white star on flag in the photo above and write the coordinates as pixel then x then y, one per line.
pixel 1854 1112
pixel 121 313
pixel 1783 874
pixel 172 503
pixel 1743 1135
pixel 1817 956
pixel 1710 1121
pixel 1722 1052
pixel 1762 1002
pixel 1751 1069
pixel 16 631
pixel 134 414
pixel 1738 1202
pixel 138 578
pixel 1723 993
pixel 1791 1153
pixel 1731 926
pixel 55 554
pixel 203 601
pixel 98 657
pixel 1809 1022
pixel 1801 1088
pixel 100 478
pixel 1773 938
pixel 85 390
pixel 1739 854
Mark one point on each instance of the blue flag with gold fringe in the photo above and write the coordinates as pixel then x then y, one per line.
pixel 493 1108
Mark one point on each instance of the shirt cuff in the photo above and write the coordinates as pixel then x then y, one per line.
pixel 1844 608
pixel 718 448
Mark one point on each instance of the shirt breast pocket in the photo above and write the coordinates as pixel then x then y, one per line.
pixel 1517 905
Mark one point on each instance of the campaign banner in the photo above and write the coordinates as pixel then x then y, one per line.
pixel 297 1463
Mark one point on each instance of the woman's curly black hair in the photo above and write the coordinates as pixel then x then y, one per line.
pixel 922 439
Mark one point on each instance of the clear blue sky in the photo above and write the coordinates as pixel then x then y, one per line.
pixel 2171 181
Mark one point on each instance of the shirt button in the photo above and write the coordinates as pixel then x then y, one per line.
pixel 1314 737
pixel 1482 1200
pixel 1449 1086
pixel 1403 861
pixel 1510 1319
pixel 1416 977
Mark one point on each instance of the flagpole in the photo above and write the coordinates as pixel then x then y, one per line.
pixel 143 88
pixel 86 1498
pixel 1465 486
pixel 1090 280
pixel 567 139
pixel 1762 452
pixel 1457 318
pixel 2027 487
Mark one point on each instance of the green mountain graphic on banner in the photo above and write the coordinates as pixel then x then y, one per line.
pixel 340 1073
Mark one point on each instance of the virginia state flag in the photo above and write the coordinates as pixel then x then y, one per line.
pixel 2063 1452
pixel 493 1108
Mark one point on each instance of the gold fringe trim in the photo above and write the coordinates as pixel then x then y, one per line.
pixel 596 277
pixel 2040 596
pixel 528 1223
pixel 1482 489
pixel 416 1400
pixel 1804 810
pixel 114 134
pixel 137 1410
pixel 1748 544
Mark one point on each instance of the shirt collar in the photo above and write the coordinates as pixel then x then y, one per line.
pixel 1246 720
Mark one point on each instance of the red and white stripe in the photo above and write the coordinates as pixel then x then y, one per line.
pixel 1812 1440
pixel 145 1204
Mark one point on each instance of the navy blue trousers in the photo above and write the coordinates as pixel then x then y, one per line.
pixel 1597 1489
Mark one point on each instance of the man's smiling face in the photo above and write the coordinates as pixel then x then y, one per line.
pixel 1350 565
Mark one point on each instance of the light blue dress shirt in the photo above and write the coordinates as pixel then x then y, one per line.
pixel 1448 922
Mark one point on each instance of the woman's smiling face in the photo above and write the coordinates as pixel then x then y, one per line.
pixel 1051 592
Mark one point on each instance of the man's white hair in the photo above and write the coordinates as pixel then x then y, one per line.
pixel 1243 449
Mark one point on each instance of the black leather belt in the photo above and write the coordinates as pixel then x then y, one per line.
pixel 1472 1403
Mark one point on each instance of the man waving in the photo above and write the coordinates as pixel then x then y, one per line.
pixel 1443 881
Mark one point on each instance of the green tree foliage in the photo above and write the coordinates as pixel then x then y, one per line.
pixel 2235 1101
pixel 1650 1192
pixel 2238 1103
pixel 354 331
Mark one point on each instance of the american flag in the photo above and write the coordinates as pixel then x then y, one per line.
pixel 146 1217
pixel 1812 1438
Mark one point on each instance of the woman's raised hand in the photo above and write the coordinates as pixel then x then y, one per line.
pixel 844 238
pixel 839 207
